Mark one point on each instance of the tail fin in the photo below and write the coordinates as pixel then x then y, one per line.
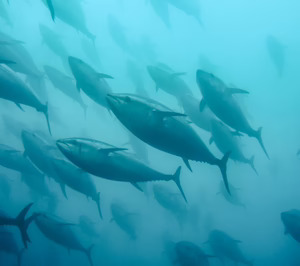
pixel 97 200
pixel 47 118
pixel 23 224
pixel 20 255
pixel 89 254
pixel 51 9
pixel 223 167
pixel 251 163
pixel 176 178
pixel 257 135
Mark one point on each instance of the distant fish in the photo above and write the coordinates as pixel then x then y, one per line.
pixel 291 222
pixel 109 162
pixel 65 84
pixel 163 129
pixel 161 8
pixel 62 234
pixel 20 221
pixel 219 98
pixel 92 83
pixel 225 247
pixel 187 253
pixel 8 244
pixel 277 53
pixel 124 219
pixel 14 89
pixel 78 180
pixel 226 140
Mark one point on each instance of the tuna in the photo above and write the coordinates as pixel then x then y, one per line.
pixel 291 222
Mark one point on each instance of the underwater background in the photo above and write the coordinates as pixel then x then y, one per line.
pixel 152 48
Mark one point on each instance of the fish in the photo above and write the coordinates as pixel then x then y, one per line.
pixel 51 9
pixel 54 42
pixel 20 221
pixel 12 88
pixel 234 198
pixel 226 247
pixel 124 219
pixel 291 222
pixel 171 201
pixel 164 129
pixel 8 244
pixel 190 106
pixel 41 154
pixel 62 233
pixel 219 98
pixel 277 53
pixel 78 180
pixel 227 140
pixel 71 13
pixel 65 84
pixel 109 162
pixel 188 253
pixel 168 80
pixel 92 83
pixel 4 14
pixel 161 8
pixel 15 50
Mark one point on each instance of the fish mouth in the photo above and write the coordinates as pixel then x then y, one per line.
pixel 63 145
pixel 113 100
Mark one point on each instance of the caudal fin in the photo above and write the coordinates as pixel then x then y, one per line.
pixel 89 254
pixel 257 135
pixel 47 117
pixel 176 178
pixel 97 200
pixel 251 163
pixel 223 167
pixel 23 224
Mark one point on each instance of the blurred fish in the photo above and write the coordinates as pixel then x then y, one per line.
pixel 190 7
pixel 4 15
pixel 163 129
pixel 117 32
pixel 206 64
pixel 109 162
pixel 20 221
pixel 161 8
pixel 91 82
pixel 90 51
pixel 277 53
pixel 291 222
pixel 8 244
pixel 62 234
pixel 51 9
pixel 78 180
pixel 124 219
pixel 234 197
pixel 12 88
pixel 191 107
pixel 220 100
pixel 41 153
pixel 225 247
pixel 65 84
pixel 227 140
pixel 189 254
pixel 71 13
pixel 54 42
pixel 88 227
pixel 15 51
pixel 168 80
pixel 171 201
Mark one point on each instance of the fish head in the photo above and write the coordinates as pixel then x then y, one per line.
pixel 78 67
pixel 206 81
pixel 30 139
pixel 156 73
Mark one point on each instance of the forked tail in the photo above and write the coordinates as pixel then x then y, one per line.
pixel 176 178
pixel 89 254
pixel 251 163
pixel 257 135
pixel 223 168
pixel 45 111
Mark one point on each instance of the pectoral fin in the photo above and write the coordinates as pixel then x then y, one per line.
pixel 78 86
pixel 211 140
pixel 63 190
pixel 202 105
pixel 104 76
pixel 162 114
pixel 17 104
pixel 110 150
pixel 235 91
pixel 137 186
pixel 174 75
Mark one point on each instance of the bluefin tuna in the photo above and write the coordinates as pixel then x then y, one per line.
pixel 291 222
